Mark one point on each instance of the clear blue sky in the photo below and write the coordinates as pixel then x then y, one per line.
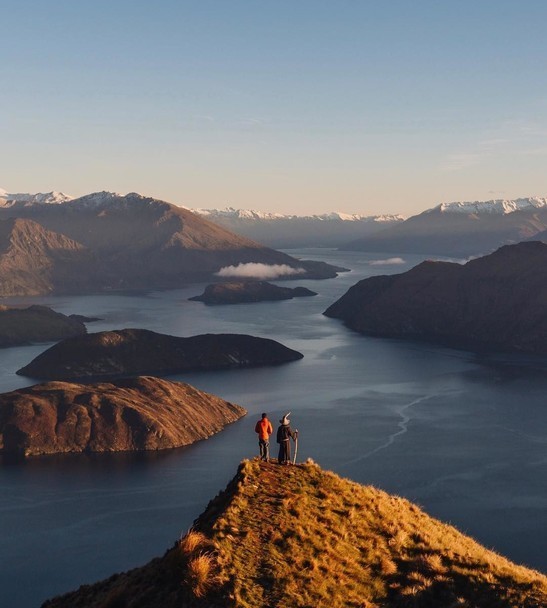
pixel 299 105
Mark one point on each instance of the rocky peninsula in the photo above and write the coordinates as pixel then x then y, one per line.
pixel 36 324
pixel 493 303
pixel 130 352
pixel 240 292
pixel 142 413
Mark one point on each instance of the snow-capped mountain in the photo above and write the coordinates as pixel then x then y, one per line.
pixel 462 228
pixel 293 231
pixel 8 199
pixel 251 214
pixel 498 206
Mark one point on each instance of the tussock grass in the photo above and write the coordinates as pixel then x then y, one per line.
pixel 301 537
pixel 200 574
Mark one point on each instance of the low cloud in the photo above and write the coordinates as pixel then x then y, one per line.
pixel 387 262
pixel 254 270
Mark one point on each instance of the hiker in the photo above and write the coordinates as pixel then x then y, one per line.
pixel 264 429
pixel 284 435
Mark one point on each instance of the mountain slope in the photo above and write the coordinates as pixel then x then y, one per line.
pixel 497 302
pixel 461 229
pixel 140 242
pixel 300 537
pixel 34 260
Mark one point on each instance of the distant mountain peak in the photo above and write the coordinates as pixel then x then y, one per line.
pixel 495 206
pixel 9 199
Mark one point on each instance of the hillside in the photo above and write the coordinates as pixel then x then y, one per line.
pixel 134 414
pixel 34 260
pixel 461 228
pixel 130 242
pixel 129 352
pixel 36 324
pixel 300 537
pixel 497 302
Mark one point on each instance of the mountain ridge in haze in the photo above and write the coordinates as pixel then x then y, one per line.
pixel 287 231
pixel 461 228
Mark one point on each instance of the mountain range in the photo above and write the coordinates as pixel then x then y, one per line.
pixel 295 231
pixel 106 241
pixel 461 228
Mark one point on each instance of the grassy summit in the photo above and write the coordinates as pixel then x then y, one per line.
pixel 294 537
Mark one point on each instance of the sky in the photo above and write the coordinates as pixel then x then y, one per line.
pixel 293 106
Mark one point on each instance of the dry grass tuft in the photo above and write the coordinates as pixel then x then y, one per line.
pixel 200 574
pixel 193 541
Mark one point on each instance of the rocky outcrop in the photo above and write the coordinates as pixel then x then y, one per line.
pixel 299 537
pixel 497 302
pixel 106 241
pixel 36 324
pixel 139 351
pixel 133 414
pixel 239 292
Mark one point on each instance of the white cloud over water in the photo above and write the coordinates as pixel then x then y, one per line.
pixel 387 262
pixel 255 270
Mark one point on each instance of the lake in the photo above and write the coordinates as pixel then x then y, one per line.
pixel 463 435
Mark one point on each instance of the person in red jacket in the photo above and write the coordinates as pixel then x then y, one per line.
pixel 264 429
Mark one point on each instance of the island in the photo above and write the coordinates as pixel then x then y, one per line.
pixel 494 303
pixel 143 413
pixel 240 292
pixel 130 352
pixel 20 326
pixel 299 536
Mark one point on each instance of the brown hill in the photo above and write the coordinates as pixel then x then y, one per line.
pixel 138 242
pixel 133 414
pixel 128 352
pixel 497 302
pixel 300 537
pixel 36 324
pixel 34 260
pixel 240 292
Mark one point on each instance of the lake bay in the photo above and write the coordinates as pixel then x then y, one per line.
pixel 463 435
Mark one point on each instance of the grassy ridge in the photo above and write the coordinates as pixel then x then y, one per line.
pixel 296 537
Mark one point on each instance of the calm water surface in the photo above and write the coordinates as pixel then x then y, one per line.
pixel 464 436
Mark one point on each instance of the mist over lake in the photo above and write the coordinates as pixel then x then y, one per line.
pixel 462 435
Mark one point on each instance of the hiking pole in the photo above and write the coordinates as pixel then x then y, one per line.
pixel 295 445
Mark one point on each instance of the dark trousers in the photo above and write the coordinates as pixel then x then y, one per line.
pixel 264 446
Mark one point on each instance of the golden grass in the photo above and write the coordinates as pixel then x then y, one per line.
pixel 301 537
pixel 200 574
